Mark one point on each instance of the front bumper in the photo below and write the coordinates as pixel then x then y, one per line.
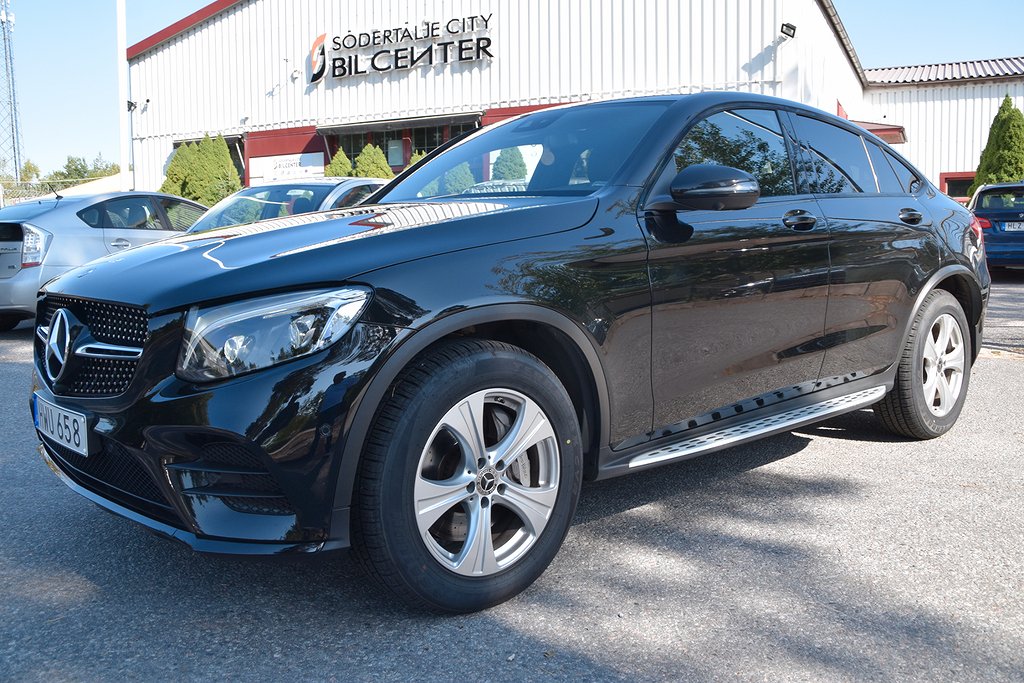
pixel 242 466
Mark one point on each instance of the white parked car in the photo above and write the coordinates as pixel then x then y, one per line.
pixel 41 239
pixel 287 198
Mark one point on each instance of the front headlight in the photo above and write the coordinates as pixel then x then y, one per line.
pixel 229 340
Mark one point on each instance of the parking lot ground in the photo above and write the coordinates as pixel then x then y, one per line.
pixel 834 552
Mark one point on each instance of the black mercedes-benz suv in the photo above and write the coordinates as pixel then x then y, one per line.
pixel 578 293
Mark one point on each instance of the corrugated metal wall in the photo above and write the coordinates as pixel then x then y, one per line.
pixel 237 71
pixel 947 124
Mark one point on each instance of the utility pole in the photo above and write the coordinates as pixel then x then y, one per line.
pixel 10 126
pixel 124 122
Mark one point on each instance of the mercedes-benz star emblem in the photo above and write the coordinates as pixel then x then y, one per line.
pixel 58 344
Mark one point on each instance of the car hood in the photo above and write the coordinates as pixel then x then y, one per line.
pixel 311 250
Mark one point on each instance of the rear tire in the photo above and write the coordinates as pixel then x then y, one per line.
pixel 933 374
pixel 469 480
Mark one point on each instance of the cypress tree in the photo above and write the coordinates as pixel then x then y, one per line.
pixel 458 179
pixel 340 166
pixel 371 163
pixel 509 165
pixel 178 170
pixel 218 176
pixel 1003 157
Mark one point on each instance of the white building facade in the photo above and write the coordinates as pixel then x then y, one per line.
pixel 290 82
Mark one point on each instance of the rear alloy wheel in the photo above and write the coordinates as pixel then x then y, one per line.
pixel 469 481
pixel 934 371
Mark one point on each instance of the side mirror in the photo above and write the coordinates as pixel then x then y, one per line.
pixel 710 187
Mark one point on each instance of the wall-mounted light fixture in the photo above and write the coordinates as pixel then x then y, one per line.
pixel 788 30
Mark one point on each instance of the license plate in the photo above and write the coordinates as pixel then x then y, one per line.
pixel 64 426
pixel 1014 226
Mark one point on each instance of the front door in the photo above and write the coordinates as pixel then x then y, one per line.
pixel 739 296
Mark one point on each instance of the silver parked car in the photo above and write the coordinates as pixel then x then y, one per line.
pixel 42 239
pixel 287 198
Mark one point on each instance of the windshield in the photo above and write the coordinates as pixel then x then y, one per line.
pixel 571 151
pixel 1001 199
pixel 262 202
pixel 27 210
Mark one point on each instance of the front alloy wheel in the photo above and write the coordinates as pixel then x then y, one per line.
pixel 487 482
pixel 470 477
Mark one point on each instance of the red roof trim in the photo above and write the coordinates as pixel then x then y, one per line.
pixel 179 27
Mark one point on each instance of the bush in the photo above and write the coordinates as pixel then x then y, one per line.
pixel 340 166
pixel 203 172
pixel 416 157
pixel 509 165
pixel 371 163
pixel 1002 160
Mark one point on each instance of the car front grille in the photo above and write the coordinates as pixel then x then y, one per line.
pixel 110 323
pixel 115 473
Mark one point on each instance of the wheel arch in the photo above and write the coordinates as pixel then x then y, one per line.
pixel 959 281
pixel 556 340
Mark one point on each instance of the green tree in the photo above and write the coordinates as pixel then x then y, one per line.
pixel 29 171
pixel 220 177
pixel 180 170
pixel 1002 160
pixel 340 166
pixel 75 168
pixel 101 167
pixel 371 163
pixel 416 157
pixel 458 179
pixel 509 165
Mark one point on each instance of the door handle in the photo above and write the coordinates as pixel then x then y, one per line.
pixel 798 219
pixel 910 216
pixel 120 243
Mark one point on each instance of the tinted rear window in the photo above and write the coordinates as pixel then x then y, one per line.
pixel 10 232
pixel 23 212
pixel 1001 199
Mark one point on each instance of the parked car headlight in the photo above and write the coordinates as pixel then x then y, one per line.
pixel 233 339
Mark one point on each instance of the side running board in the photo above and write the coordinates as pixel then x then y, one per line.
pixel 759 427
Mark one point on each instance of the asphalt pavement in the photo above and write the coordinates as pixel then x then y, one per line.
pixel 835 552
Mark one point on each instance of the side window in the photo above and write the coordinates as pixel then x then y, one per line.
pixel 908 179
pixel 133 213
pixel 354 196
pixel 835 161
pixel 888 181
pixel 92 216
pixel 180 215
pixel 748 139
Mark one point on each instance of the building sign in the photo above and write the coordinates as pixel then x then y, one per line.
pixel 383 50
pixel 285 167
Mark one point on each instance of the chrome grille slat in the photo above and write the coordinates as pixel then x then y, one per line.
pixel 113 326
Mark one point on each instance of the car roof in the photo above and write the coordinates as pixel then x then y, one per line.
pixel 1012 184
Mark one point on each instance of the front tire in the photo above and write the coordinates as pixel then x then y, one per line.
pixel 470 478
pixel 933 374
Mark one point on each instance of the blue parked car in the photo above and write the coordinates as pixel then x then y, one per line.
pixel 1000 210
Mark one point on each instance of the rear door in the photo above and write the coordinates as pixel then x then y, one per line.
pixel 739 296
pixel 881 246
pixel 131 221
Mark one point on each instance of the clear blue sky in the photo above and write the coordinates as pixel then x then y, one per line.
pixel 67 83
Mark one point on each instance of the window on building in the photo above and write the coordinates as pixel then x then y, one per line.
pixel 835 161
pixel 426 139
pixel 958 187
pixel 457 129
pixel 352 144
pixel 748 139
